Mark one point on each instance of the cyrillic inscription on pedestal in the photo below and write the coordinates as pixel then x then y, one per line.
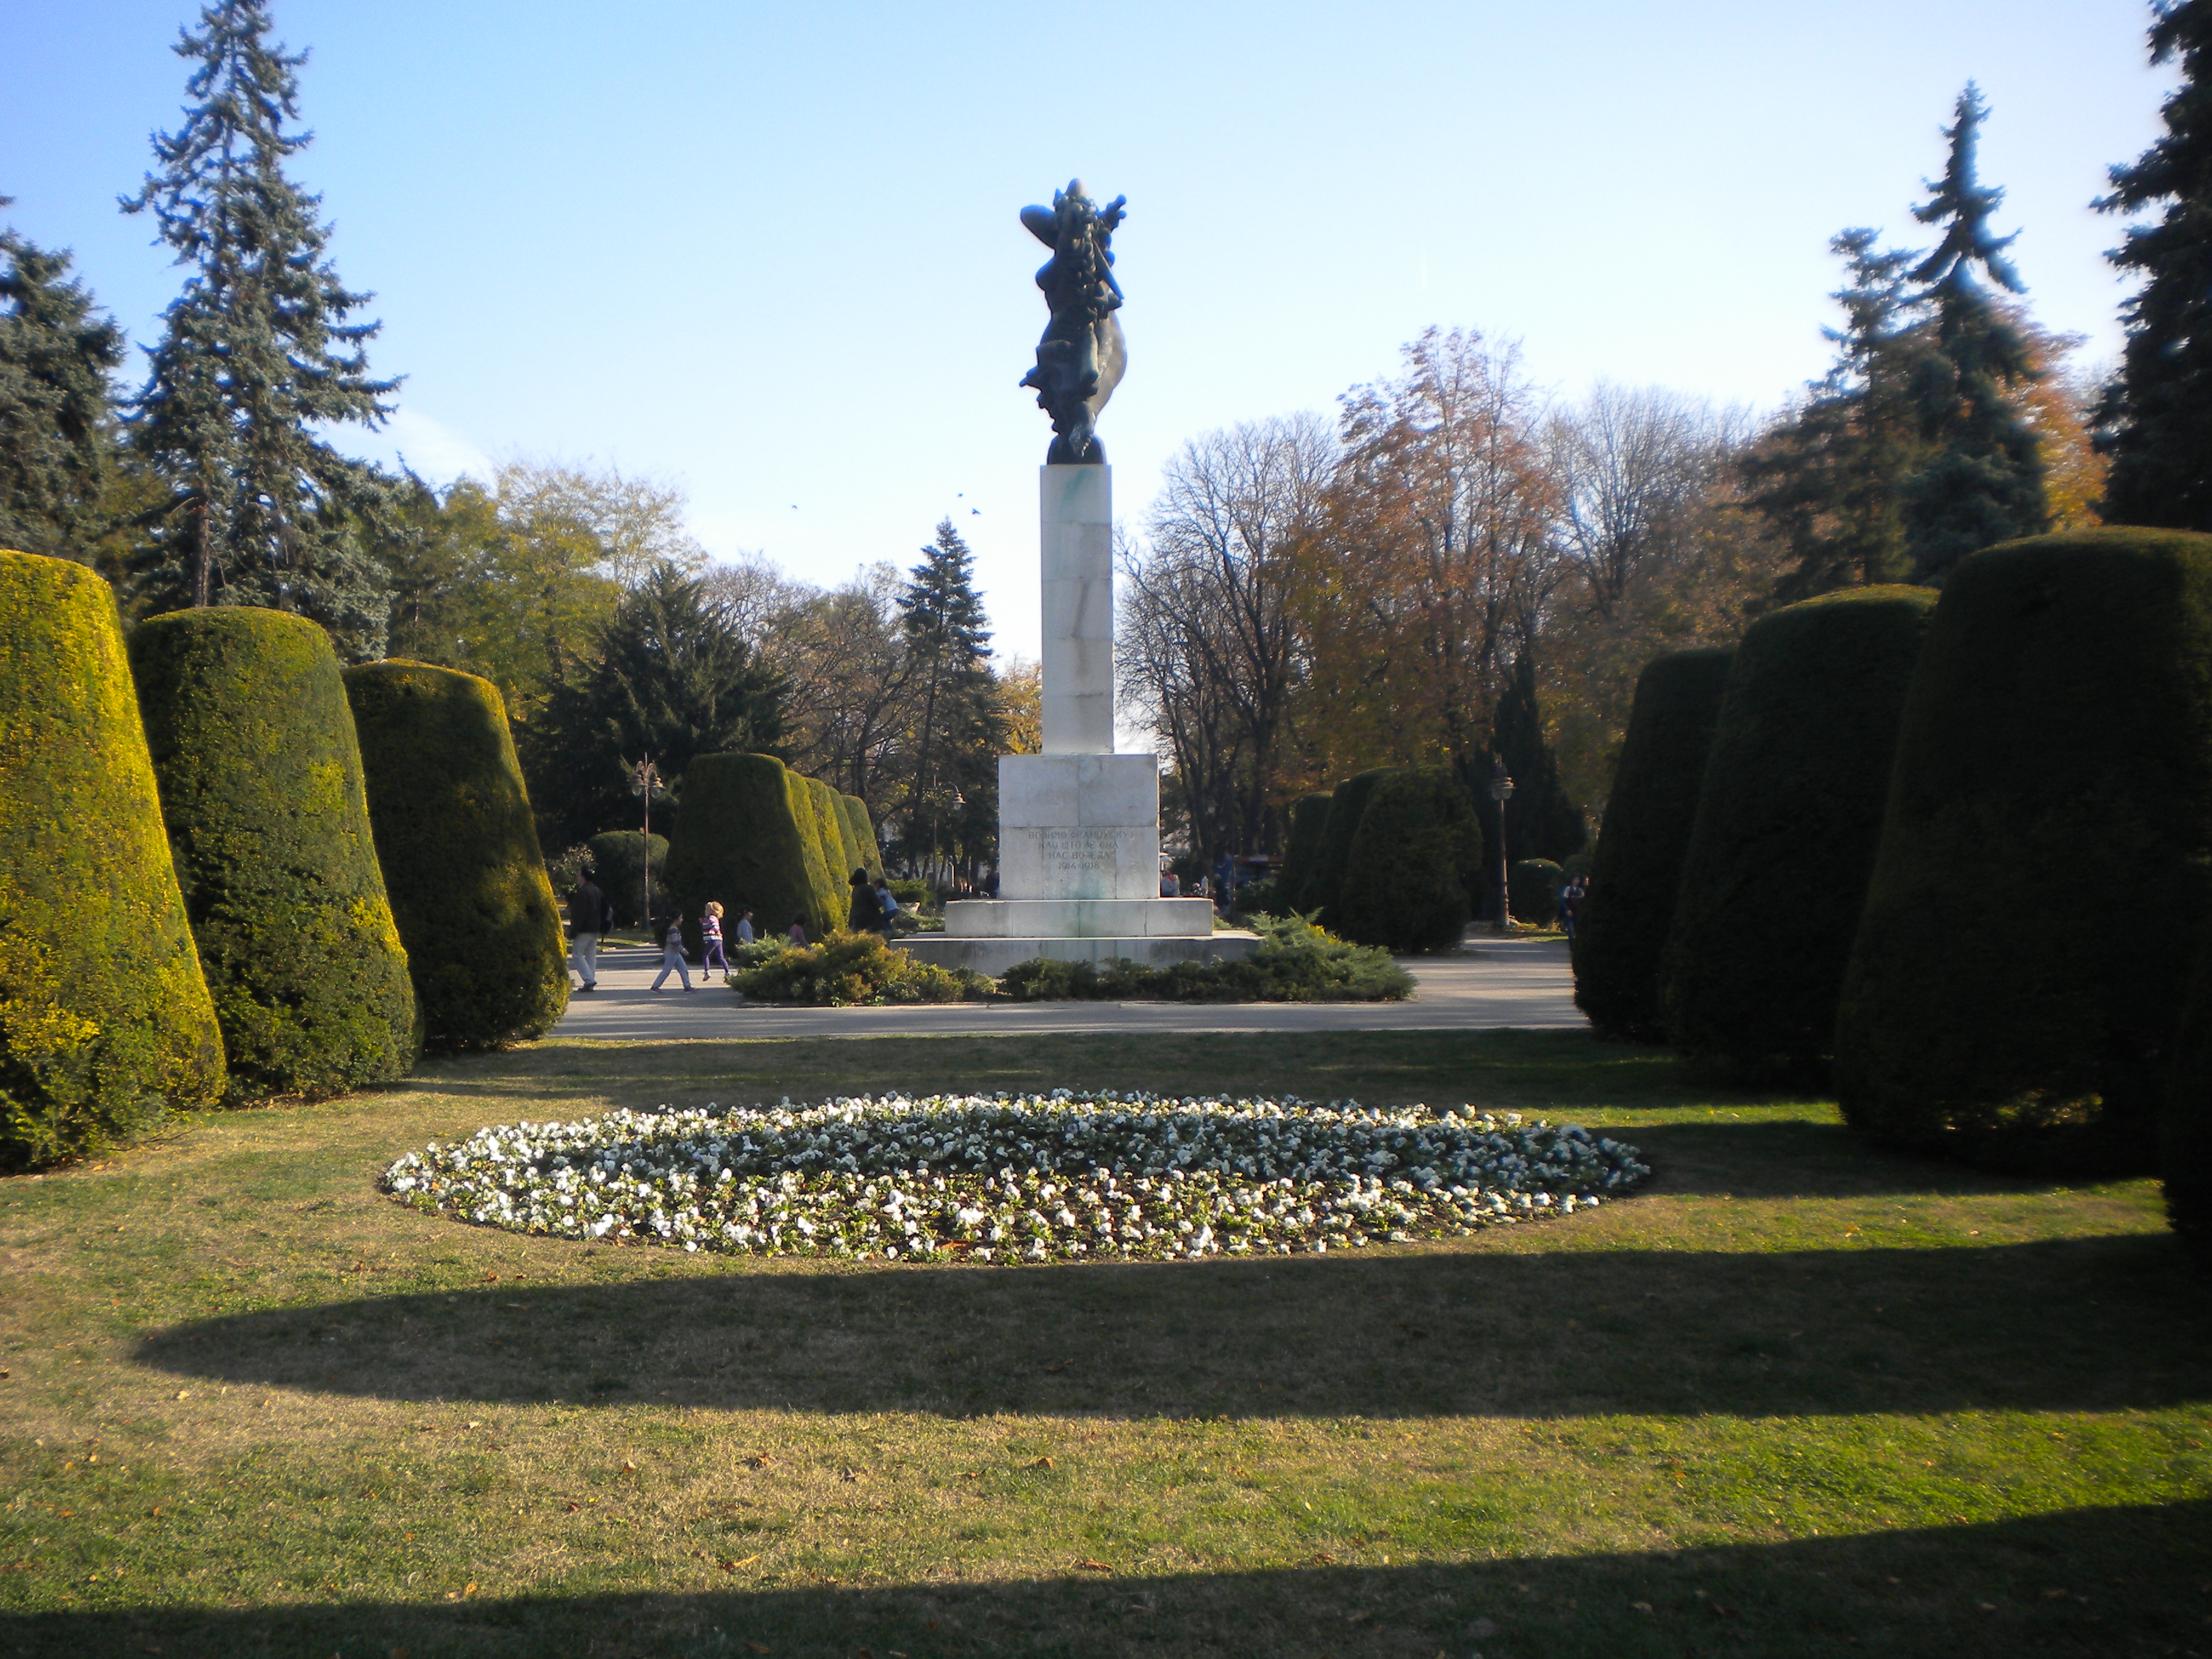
pixel 1080 861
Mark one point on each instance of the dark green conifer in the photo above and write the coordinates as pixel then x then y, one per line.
pixel 1983 482
pixel 2155 421
pixel 953 792
pixel 256 355
pixel 1540 822
pixel 55 426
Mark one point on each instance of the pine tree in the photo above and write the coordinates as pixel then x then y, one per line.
pixel 957 734
pixel 674 678
pixel 1983 483
pixel 2155 421
pixel 57 435
pixel 1828 480
pixel 257 352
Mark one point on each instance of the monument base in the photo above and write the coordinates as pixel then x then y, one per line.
pixel 1080 918
pixel 992 955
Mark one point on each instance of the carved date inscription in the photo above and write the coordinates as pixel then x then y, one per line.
pixel 1079 857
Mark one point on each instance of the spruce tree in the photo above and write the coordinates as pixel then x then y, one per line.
pixel 1983 483
pixel 2155 421
pixel 256 353
pixel 1828 480
pixel 57 434
pixel 953 791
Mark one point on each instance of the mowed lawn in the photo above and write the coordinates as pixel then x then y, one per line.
pixel 1797 1398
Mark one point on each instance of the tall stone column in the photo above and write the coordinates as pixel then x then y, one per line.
pixel 1076 536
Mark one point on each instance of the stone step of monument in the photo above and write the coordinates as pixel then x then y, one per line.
pixel 993 956
pixel 1080 918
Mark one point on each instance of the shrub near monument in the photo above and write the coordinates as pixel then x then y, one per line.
pixel 2045 877
pixel 1404 883
pixel 107 1028
pixel 1302 854
pixel 1620 940
pixel 460 853
pixel 1788 819
pixel 260 777
pixel 1534 885
pixel 739 838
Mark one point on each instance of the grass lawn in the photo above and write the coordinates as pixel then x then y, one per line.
pixel 1799 1397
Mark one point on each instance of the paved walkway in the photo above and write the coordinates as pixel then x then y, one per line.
pixel 1488 983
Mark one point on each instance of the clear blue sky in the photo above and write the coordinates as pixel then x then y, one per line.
pixel 770 252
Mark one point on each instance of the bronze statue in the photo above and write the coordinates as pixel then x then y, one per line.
pixel 1080 359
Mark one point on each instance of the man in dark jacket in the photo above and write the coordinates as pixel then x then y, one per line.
pixel 587 920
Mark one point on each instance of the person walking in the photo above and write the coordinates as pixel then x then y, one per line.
pixel 587 920
pixel 797 934
pixel 672 954
pixel 1571 906
pixel 745 927
pixel 710 931
pixel 864 914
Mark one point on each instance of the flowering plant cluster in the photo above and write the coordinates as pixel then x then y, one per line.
pixel 1056 1176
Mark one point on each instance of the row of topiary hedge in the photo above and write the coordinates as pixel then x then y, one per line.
pixel 1955 852
pixel 201 840
pixel 750 833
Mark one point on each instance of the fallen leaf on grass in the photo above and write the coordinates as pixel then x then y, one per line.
pixel 1053 1371
pixel 759 1460
pixel 1094 1566
pixel 757 1647
pixel 1639 1607
pixel 629 1468
pixel 731 1566
pixel 572 1508
pixel 1046 1464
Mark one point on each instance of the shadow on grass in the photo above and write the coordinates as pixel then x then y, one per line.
pixel 1792 1157
pixel 2106 1582
pixel 2077 1324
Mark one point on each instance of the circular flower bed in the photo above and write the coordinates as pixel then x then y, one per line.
pixel 1001 1179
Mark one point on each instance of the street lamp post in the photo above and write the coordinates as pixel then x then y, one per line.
pixel 1501 791
pixel 645 783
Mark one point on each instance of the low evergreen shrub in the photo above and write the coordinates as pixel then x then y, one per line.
pixel 1309 818
pixel 1534 885
pixel 1404 884
pixel 1297 962
pixel 746 835
pixel 460 853
pixel 1787 823
pixel 621 857
pixel 847 969
pixel 1262 897
pixel 1348 802
pixel 261 783
pixel 107 1028
pixel 2043 881
pixel 1636 870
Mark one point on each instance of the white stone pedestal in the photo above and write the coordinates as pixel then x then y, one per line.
pixel 1078 825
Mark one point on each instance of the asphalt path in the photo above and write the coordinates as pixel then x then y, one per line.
pixel 1488 984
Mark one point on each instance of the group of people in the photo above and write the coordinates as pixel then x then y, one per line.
pixel 875 909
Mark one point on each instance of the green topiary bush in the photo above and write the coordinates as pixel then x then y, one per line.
pixel 1621 941
pixel 861 835
pixel 2045 877
pixel 107 1028
pixel 1309 817
pixel 621 857
pixel 1534 885
pixel 260 777
pixel 745 835
pixel 2184 1140
pixel 1297 962
pixel 1786 827
pixel 1405 885
pixel 460 856
pixel 1333 856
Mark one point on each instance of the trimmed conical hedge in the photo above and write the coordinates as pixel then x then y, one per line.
pixel 1301 851
pixel 2045 877
pixel 1348 802
pixel 260 777
pixel 861 834
pixel 107 1028
pixel 1620 942
pixel 460 853
pixel 2184 1140
pixel 1404 886
pixel 1788 819
pixel 746 834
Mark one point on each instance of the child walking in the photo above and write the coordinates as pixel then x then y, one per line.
pixel 710 927
pixel 671 955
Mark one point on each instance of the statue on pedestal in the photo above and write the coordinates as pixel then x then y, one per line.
pixel 1080 359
